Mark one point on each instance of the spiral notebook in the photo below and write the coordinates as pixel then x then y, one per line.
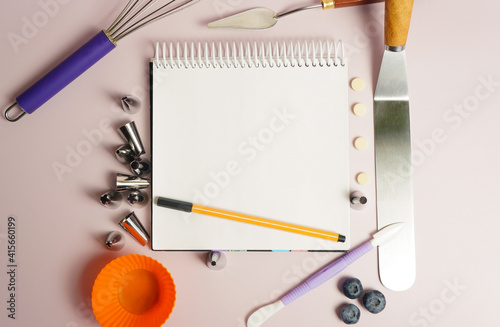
pixel 258 129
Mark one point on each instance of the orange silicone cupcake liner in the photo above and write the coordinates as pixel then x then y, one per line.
pixel 133 290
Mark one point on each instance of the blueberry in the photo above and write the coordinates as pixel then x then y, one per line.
pixel 352 288
pixel 374 301
pixel 350 314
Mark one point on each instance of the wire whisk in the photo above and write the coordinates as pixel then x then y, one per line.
pixel 135 15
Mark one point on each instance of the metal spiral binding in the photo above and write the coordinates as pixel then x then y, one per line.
pixel 244 55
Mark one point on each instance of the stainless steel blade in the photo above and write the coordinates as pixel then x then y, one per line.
pixel 253 19
pixel 393 168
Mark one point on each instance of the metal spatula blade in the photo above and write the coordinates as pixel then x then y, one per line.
pixel 253 19
pixel 397 267
pixel 262 18
pixel 393 167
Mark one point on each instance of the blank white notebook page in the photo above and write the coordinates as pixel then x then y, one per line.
pixel 270 142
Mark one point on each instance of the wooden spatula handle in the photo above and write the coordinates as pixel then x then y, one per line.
pixel 397 21
pixel 330 4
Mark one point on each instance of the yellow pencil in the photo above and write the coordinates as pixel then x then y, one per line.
pixel 190 207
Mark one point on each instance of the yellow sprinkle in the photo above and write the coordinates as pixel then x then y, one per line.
pixel 363 178
pixel 360 143
pixel 359 109
pixel 357 84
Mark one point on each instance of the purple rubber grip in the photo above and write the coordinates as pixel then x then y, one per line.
pixel 327 272
pixel 65 73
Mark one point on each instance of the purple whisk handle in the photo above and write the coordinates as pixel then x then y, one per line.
pixel 134 16
pixel 67 71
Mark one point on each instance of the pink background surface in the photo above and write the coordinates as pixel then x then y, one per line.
pixel 452 47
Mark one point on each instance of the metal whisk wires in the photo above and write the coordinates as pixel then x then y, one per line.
pixel 135 15
pixel 139 13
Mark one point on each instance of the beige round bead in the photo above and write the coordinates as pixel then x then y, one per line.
pixel 357 84
pixel 359 109
pixel 362 178
pixel 360 143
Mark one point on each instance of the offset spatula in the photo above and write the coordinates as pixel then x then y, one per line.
pixel 262 18
pixel 393 150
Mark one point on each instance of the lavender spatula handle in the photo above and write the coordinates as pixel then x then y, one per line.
pixel 327 272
